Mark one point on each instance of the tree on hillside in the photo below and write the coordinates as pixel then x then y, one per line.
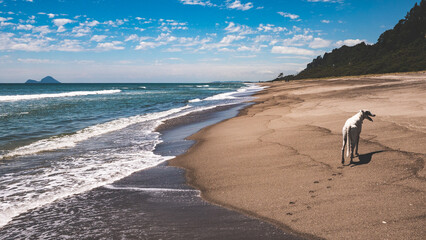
pixel 400 49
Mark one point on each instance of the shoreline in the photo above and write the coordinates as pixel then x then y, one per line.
pixel 318 197
pixel 193 144
pixel 152 203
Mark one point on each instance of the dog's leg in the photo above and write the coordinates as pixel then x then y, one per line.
pixel 352 146
pixel 343 147
pixel 356 145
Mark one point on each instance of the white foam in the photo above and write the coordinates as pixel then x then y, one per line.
pixel 248 89
pixel 68 141
pixel 195 100
pixel 12 98
pixel 79 173
pixel 221 96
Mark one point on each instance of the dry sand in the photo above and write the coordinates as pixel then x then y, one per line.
pixel 279 160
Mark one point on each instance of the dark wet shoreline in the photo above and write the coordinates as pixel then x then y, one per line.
pixel 154 203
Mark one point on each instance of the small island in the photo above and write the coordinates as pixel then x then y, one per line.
pixel 45 80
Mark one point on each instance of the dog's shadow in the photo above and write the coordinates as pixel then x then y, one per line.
pixel 364 159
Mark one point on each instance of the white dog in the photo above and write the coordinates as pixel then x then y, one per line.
pixel 351 132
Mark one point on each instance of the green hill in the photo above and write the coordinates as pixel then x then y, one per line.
pixel 401 49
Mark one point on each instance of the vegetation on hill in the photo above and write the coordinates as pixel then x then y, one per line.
pixel 401 49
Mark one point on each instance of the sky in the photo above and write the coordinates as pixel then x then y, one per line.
pixel 181 40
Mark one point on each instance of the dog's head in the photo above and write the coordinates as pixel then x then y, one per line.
pixel 367 115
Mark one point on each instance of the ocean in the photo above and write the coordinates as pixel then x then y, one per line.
pixel 61 140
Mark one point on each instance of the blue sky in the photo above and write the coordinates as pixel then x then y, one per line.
pixel 181 40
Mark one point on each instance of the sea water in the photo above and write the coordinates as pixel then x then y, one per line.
pixel 64 139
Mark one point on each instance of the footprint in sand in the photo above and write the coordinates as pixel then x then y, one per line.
pixel 316 182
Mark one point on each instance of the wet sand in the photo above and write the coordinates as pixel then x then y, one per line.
pixel 279 160
pixel 155 203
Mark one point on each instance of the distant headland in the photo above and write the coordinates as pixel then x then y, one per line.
pixel 45 80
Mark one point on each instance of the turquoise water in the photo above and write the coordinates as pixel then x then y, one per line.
pixel 60 140
pixel 31 112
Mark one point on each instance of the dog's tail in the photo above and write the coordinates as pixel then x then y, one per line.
pixel 348 139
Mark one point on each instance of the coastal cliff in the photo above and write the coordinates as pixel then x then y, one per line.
pixel 401 49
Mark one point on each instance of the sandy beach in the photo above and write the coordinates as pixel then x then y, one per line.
pixel 279 159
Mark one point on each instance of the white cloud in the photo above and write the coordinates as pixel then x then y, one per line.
pixel 146 45
pixel 69 45
pixel 270 40
pixel 239 6
pixel 289 15
pixel 168 25
pixel 237 28
pixel 325 21
pixel 173 50
pixel 51 15
pixel 2 19
pixel 349 42
pixel 165 37
pixel 37 43
pixel 24 27
pixel 81 30
pixel 8 41
pixel 292 50
pixel 230 38
pixel 248 49
pixel 270 27
pixel 31 19
pixel 319 43
pixel 42 29
pixel 114 45
pixel 232 27
pixel 297 40
pixel 115 23
pixel 197 2
pixel 3 24
pixel 131 38
pixel 98 38
pixel 92 23
pixel 191 41
pixel 60 22
pixel 225 50
pixel 34 60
